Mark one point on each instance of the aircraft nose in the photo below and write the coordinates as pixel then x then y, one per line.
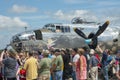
pixel 88 41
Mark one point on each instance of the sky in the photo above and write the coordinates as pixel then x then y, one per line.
pixel 15 15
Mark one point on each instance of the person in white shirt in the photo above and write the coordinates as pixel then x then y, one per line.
pixel 75 59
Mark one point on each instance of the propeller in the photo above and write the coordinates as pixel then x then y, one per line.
pixel 80 33
pixel 92 39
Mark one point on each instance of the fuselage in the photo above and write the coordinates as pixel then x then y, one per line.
pixel 58 36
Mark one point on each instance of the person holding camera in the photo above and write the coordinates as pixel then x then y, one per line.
pixel 9 64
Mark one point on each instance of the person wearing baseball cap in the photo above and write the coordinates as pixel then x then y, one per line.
pixel 92 51
pixel 44 66
pixel 93 65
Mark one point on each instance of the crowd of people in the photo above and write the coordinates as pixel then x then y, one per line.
pixel 60 64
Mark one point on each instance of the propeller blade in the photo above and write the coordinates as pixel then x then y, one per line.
pixel 94 41
pixel 80 33
pixel 93 44
pixel 101 29
pixel 91 35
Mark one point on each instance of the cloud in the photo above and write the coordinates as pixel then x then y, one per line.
pixel 58 15
pixel 23 9
pixel 96 16
pixel 9 27
pixel 8 22
pixel 111 14
pixel 36 17
pixel 75 13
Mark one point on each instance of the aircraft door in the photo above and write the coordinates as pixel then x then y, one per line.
pixel 38 35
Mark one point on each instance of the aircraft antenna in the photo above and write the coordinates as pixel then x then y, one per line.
pixel 25 28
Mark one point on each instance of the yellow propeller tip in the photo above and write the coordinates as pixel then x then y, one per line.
pixel 74 28
pixel 107 22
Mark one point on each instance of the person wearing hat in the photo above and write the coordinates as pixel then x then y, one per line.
pixel 44 67
pixel 57 66
pixel 93 65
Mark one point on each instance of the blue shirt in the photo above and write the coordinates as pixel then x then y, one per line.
pixel 10 67
pixel 93 61
pixel 109 59
pixel 106 59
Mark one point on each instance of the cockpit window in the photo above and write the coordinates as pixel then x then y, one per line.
pixel 67 29
pixel 64 29
pixel 57 27
pixel 50 27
